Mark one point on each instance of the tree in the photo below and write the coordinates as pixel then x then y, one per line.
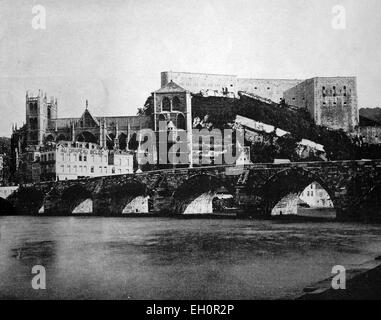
pixel 147 109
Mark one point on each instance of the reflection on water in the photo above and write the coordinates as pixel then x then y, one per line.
pixel 162 258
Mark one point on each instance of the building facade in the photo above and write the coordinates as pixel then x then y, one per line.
pixel 316 197
pixel 75 160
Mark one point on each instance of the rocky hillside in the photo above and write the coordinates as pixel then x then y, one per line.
pixel 297 121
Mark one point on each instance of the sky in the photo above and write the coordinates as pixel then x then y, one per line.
pixel 111 52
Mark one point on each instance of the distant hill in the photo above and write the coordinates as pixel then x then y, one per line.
pixel 371 113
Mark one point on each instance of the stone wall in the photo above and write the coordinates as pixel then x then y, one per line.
pixel 272 89
pixel 196 82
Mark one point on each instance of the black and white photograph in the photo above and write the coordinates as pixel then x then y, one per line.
pixel 190 151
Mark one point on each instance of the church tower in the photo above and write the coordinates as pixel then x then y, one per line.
pixel 172 107
pixel 39 113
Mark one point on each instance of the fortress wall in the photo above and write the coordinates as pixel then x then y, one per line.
pixel 268 88
pixel 195 82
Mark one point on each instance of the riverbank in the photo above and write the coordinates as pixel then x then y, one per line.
pixel 363 282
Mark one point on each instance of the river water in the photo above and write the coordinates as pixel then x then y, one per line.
pixel 168 258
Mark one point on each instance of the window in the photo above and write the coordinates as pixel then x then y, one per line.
pixel 166 104
pixel 308 193
pixel 92 169
pixel 80 157
pixel 312 193
pixel 84 158
pixel 113 170
pixel 180 122
pixel 176 103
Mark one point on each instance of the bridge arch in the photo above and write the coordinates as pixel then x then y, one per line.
pixel 287 185
pixel 129 196
pixel 76 199
pixel 29 200
pixel 202 193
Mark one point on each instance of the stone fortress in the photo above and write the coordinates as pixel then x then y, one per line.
pixel 331 101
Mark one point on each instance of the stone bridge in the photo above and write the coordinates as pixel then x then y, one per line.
pixel 354 188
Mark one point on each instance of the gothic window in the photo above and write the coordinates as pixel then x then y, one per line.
pixel 33 124
pixel 122 141
pixel 180 122
pixel 176 103
pixel 33 108
pixel 166 104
